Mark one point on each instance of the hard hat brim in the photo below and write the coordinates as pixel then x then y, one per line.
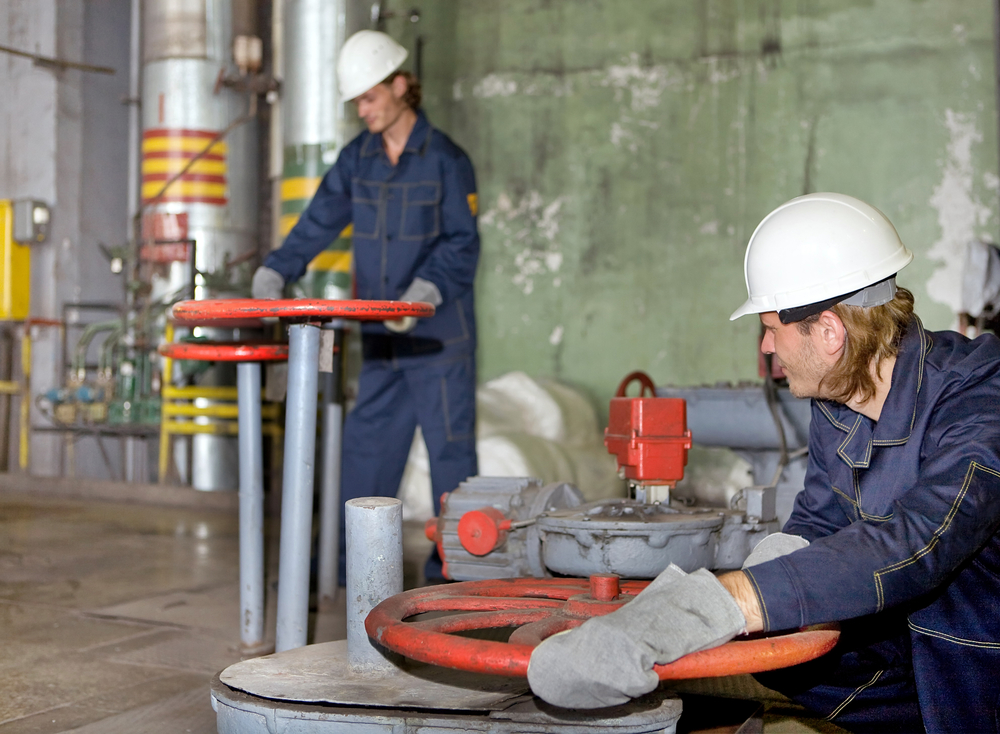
pixel 748 307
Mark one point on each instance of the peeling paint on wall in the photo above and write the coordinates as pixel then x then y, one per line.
pixel 661 132
pixel 494 85
pixel 960 212
pixel 530 234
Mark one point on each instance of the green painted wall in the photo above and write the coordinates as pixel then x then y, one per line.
pixel 625 150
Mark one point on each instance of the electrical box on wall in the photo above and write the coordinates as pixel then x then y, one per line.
pixel 31 221
pixel 15 266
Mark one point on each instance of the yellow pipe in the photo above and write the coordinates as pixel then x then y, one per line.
pixel 210 392
pixel 193 411
pixel 25 440
pixel 168 364
pixel 9 387
pixel 187 428
pixel 228 410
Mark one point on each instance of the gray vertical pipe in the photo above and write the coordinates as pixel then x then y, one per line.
pixel 996 64
pixel 330 502
pixel 297 487
pixel 374 527
pixel 251 508
pixel 329 538
pixel 134 168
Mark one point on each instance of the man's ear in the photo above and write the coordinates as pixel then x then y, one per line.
pixel 399 86
pixel 831 332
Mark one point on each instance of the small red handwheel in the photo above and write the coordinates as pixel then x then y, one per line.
pixel 539 608
pixel 645 384
pixel 226 351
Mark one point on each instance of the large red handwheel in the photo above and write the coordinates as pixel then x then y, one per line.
pixel 298 309
pixel 542 607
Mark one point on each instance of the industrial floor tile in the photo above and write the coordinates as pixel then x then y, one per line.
pixel 114 617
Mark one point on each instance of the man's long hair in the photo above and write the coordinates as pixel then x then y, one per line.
pixel 873 335
pixel 413 94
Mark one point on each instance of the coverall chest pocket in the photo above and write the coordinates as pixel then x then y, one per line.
pixel 365 200
pixel 421 211
pixel 847 504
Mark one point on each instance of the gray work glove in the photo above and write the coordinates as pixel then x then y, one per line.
pixel 267 283
pixel 608 660
pixel 774 546
pixel 419 291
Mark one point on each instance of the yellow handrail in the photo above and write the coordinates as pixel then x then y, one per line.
pixel 223 415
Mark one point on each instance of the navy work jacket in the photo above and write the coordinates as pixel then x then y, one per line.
pixel 905 513
pixel 416 219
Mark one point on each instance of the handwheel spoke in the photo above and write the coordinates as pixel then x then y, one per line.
pixel 479 604
pixel 464 622
pixel 534 632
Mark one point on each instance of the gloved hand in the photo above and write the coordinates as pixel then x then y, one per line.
pixel 609 659
pixel 267 283
pixel 422 291
pixel 774 546
pixel 419 291
pixel 401 326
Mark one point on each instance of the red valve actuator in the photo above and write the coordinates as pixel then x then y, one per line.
pixel 648 436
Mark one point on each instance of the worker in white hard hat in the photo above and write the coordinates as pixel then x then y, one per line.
pixel 896 534
pixel 410 194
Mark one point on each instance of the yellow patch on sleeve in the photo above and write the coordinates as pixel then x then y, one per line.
pixel 473 203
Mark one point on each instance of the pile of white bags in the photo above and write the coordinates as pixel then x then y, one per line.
pixel 525 428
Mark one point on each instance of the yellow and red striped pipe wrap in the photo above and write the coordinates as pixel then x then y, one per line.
pixel 165 153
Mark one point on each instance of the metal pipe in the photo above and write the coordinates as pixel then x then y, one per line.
pixel 297 487
pixel 996 60
pixel 275 142
pixel 251 451
pixel 316 122
pixel 374 527
pixel 330 502
pixel 134 114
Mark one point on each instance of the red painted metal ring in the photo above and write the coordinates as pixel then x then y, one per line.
pixel 536 607
pixel 306 309
pixel 644 380
pixel 226 351
pixel 219 323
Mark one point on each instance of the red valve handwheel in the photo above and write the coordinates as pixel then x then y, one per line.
pixel 298 309
pixel 226 351
pixel 542 607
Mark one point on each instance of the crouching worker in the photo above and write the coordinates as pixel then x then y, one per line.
pixel 897 532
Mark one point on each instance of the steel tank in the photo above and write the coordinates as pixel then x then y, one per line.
pixel 316 125
pixel 213 205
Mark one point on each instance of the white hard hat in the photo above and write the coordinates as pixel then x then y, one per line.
pixel 366 59
pixel 818 250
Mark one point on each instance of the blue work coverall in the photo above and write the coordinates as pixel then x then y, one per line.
pixel 416 219
pixel 903 516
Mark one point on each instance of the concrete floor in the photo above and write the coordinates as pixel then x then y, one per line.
pixel 114 617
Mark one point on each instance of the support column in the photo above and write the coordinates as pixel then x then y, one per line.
pixel 297 487
pixel 251 453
